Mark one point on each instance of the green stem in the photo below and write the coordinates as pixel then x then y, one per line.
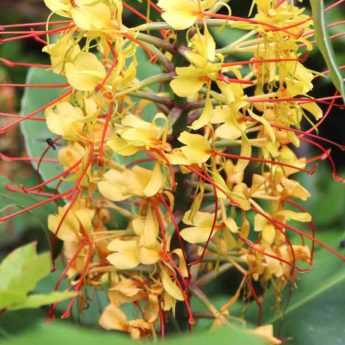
pixel 203 298
pixel 159 78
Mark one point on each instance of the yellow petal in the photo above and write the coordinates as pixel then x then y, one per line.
pixel 85 217
pixel 314 109
pixel 150 231
pixel 205 116
pixel 86 72
pixel 228 131
pixel 268 128
pixel 122 147
pixel 231 224
pixel 66 228
pixel 196 234
pixel 116 185
pixel 205 45
pixel 295 189
pixel 170 286
pixel 60 7
pixel 92 17
pixel 62 51
pixel 126 254
pixel 197 149
pixel 148 256
pixel 177 158
pixel 63 120
pixel 269 233
pixel 180 14
pixel 113 318
pixel 297 216
pixel 71 154
pixel 186 86
pixel 259 222
pixel 155 183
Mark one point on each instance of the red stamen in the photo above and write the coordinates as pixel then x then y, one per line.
pixel 104 133
pixel 228 80
pixel 58 22
pixel 11 63
pixel 335 4
pixel 7 158
pixel 36 86
pixel 35 112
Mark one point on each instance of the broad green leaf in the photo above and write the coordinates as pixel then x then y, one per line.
pixel 58 333
pixel 38 300
pixel 36 133
pixel 23 268
pixel 11 202
pixel 325 45
pixel 20 272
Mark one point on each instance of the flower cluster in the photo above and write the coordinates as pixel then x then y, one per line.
pixel 200 170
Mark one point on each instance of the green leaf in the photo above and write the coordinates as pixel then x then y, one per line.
pixel 325 45
pixel 11 202
pixel 58 333
pixel 20 272
pixel 23 268
pixel 37 300
pixel 36 133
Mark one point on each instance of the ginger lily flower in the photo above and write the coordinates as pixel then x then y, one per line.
pixel 66 120
pixel 135 135
pixel 203 69
pixel 120 185
pixel 200 229
pixel 196 150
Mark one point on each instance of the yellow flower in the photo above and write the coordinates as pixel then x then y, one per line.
pixel 229 118
pixel 170 286
pixel 128 254
pixel 124 291
pixel 196 150
pixel 64 119
pixel 182 14
pixel 62 51
pixel 189 80
pixel 136 134
pixel 71 154
pixel 113 318
pixel 121 185
pixel 92 17
pixel 85 72
pixel 266 228
pixel 72 223
pixel 201 227
pixel 146 227
pixel 60 7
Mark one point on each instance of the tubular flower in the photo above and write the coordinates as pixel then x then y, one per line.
pixel 163 187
